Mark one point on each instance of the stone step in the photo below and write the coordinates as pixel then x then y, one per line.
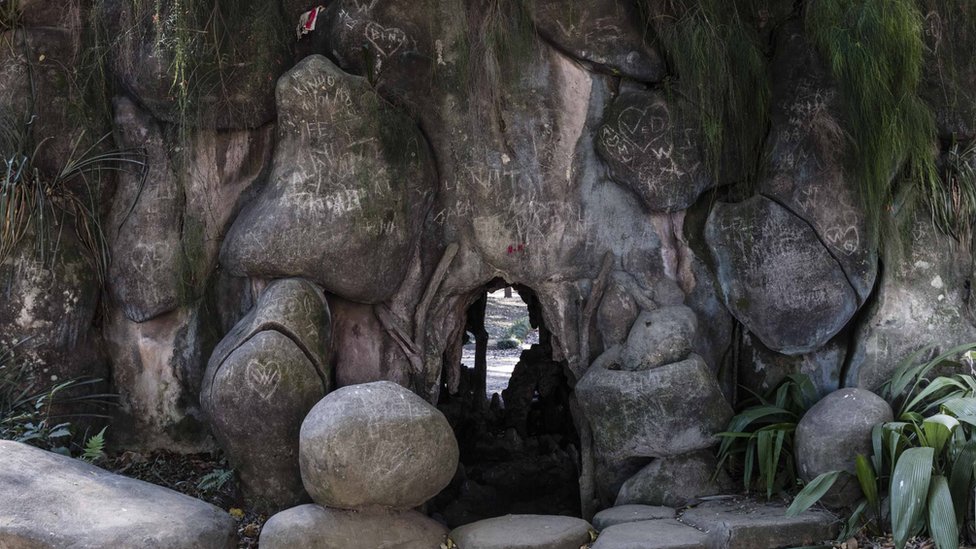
pixel 738 523
pixel 524 532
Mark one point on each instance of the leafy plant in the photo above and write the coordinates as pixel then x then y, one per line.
pixel 925 461
pixel 33 416
pixel 759 439
pixel 94 449
pixel 213 481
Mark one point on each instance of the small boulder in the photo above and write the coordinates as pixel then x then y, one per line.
pixel 628 410
pixel 315 527
pixel 376 444
pixel 674 482
pixel 622 514
pixel 833 432
pixel 659 337
pixel 50 501
pixel 523 532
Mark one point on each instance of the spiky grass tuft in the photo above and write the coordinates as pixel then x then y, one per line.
pixel 719 67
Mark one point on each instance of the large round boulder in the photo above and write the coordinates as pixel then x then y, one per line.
pixel 376 444
pixel 831 435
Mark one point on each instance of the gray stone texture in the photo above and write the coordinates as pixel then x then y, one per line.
pixel 349 190
pixel 52 501
pixel 622 514
pixel 273 365
pixel 627 410
pixel 831 435
pixel 651 534
pixel 314 527
pixel 676 481
pixel 659 337
pixel 376 444
pixel 523 532
pixel 747 524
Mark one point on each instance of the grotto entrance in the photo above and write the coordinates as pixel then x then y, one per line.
pixel 519 447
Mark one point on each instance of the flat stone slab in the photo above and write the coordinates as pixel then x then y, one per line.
pixel 315 527
pixel 748 524
pixel 652 534
pixel 48 500
pixel 622 514
pixel 523 532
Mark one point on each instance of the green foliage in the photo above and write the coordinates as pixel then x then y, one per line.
pixel 951 199
pixel 924 462
pixel 9 14
pixel 94 449
pixel 32 415
pixel 719 68
pixel 214 481
pixel 875 52
pixel 520 329
pixel 758 442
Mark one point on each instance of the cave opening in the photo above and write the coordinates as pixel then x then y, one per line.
pixel 510 413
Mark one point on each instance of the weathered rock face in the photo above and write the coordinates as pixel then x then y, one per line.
pixel 831 435
pixel 352 178
pixel 163 58
pixel 273 365
pixel 355 441
pixel 315 527
pixel 605 33
pixel 777 277
pixel 927 299
pixel 626 408
pixel 106 510
pixel 623 514
pixel 652 152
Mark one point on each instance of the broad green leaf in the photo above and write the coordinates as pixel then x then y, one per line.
pixel 938 429
pixel 935 387
pixel 805 392
pixel 941 516
pixel 748 464
pixel 960 406
pixel 877 443
pixel 909 492
pixel 812 492
pixel 961 478
pixel 868 480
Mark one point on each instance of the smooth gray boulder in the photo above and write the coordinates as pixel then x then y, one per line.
pixel 651 534
pixel 831 435
pixel 616 315
pixel 630 412
pixel 659 337
pixel 747 524
pixel 523 532
pixel 777 277
pixel 622 514
pixel 49 501
pixel 351 183
pixel 652 152
pixel 376 444
pixel 315 527
pixel 675 482
pixel 273 365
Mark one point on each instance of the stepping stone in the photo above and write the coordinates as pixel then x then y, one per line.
pixel 651 534
pixel 49 500
pixel 630 513
pixel 748 524
pixel 523 532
